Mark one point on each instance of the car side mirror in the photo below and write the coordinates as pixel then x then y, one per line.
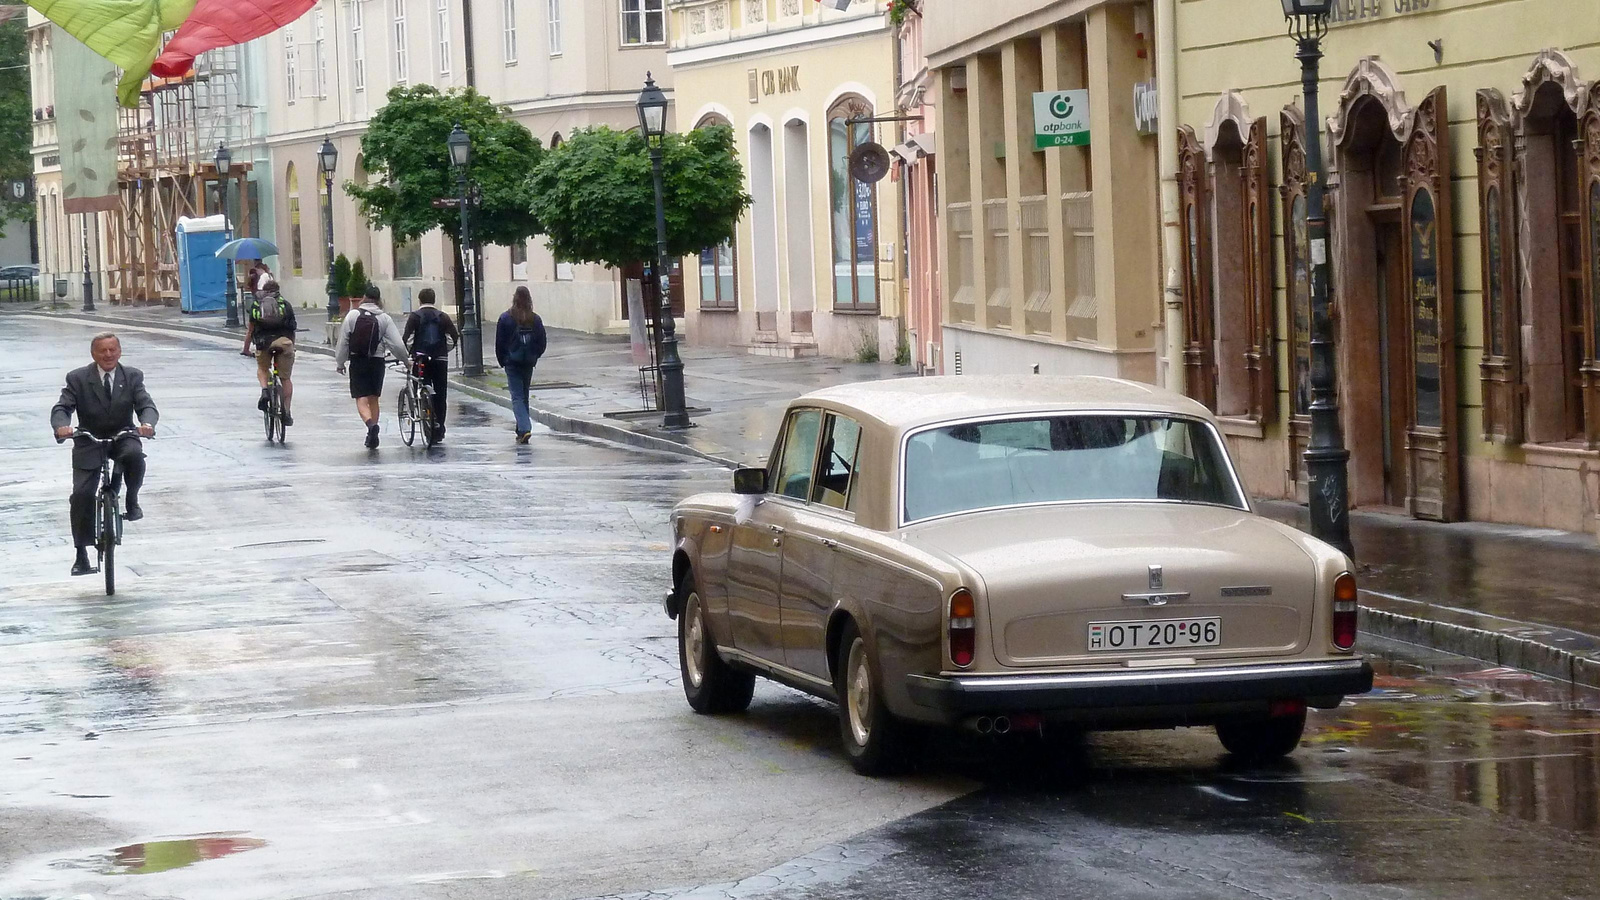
pixel 749 481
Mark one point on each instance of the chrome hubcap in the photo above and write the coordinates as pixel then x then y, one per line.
pixel 858 693
pixel 694 641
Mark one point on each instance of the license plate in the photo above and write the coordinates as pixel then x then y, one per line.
pixel 1155 634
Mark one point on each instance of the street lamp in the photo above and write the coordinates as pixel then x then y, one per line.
pixel 224 166
pixel 327 161
pixel 1327 460
pixel 460 147
pixel 653 122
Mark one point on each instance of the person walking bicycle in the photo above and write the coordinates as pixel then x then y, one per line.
pixel 519 342
pixel 431 334
pixel 367 330
pixel 105 396
pixel 270 333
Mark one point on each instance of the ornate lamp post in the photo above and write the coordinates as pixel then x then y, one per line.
pixel 1327 460
pixel 653 123
pixel 460 145
pixel 224 167
pixel 327 160
pixel 88 283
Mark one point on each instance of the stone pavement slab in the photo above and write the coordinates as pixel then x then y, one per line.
pixel 1526 598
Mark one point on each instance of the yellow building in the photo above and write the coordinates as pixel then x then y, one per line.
pixel 1047 252
pixel 1463 149
pixel 816 265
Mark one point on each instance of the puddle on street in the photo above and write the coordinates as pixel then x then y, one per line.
pixel 1517 744
pixel 150 857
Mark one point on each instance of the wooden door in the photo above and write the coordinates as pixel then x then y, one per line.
pixel 1433 464
pixel 1297 277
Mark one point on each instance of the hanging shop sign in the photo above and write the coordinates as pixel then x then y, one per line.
pixel 1061 119
pixel 1146 108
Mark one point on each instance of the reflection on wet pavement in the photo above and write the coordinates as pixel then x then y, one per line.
pixel 1496 738
pixel 163 856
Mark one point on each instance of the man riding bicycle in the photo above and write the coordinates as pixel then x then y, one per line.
pixel 271 333
pixel 106 396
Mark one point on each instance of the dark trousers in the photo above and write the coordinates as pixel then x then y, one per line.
pixel 86 483
pixel 436 372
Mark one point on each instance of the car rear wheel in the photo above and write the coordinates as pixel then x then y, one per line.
pixel 873 737
pixel 1261 740
pixel 711 686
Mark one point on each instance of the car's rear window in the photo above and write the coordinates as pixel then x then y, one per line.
pixel 1054 459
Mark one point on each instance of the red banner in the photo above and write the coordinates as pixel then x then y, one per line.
pixel 223 23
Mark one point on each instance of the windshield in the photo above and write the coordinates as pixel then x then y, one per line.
pixel 1055 459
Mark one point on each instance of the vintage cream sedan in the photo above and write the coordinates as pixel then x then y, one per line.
pixel 1010 554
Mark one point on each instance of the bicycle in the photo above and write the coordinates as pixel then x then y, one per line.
pixel 416 403
pixel 276 427
pixel 108 507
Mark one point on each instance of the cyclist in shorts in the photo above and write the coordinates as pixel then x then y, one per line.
pixel 271 332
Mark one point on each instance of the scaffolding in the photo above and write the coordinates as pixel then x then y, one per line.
pixel 166 170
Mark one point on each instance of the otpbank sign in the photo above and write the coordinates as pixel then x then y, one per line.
pixel 1061 119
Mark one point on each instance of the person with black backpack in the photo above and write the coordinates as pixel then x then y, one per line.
pixel 366 331
pixel 431 334
pixel 519 341
pixel 271 332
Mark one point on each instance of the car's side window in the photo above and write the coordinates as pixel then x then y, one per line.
pixel 835 476
pixel 799 455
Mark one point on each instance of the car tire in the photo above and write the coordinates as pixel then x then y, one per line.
pixel 1262 740
pixel 711 686
pixel 874 740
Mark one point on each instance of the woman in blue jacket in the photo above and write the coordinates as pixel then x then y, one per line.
pixel 519 341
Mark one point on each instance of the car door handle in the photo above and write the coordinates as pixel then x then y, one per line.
pixel 775 529
pixel 830 543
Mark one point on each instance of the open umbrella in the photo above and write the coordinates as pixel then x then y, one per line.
pixel 247 248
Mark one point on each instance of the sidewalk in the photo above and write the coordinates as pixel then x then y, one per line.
pixel 1517 597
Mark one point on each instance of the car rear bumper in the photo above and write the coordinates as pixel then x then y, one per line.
pixel 969 694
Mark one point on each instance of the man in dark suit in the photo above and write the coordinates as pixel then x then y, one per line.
pixel 106 396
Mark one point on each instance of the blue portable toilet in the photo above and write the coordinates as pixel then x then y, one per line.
pixel 202 277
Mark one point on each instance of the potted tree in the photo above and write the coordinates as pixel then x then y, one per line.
pixel 355 286
pixel 341 281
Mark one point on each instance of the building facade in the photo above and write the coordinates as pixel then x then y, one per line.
pixel 818 263
pixel 1463 155
pixel 1048 212
pixel 916 171
pixel 558 65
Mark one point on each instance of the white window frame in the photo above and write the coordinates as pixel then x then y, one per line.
pixel 402 49
pixel 554 19
pixel 441 25
pixel 508 31
pixel 321 52
pixel 358 45
pixel 291 67
pixel 646 9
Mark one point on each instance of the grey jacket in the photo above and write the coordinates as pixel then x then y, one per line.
pixel 100 414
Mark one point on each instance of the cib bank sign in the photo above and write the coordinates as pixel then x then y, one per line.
pixel 1061 119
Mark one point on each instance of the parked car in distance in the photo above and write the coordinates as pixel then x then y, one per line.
pixel 26 272
pixel 1010 554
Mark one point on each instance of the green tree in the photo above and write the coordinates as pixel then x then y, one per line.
pixel 595 195
pixel 16 117
pixel 408 164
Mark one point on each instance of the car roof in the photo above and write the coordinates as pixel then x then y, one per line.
pixel 905 403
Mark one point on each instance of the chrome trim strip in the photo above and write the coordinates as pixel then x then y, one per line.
pixel 759 663
pixel 1157 598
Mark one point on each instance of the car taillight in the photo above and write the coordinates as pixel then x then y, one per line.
pixel 963 628
pixel 1344 611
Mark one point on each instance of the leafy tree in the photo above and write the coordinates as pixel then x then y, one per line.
pixel 595 195
pixel 16 118
pixel 404 154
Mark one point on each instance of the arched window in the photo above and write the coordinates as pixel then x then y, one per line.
pixel 291 181
pixel 719 273
pixel 556 141
pixel 855 210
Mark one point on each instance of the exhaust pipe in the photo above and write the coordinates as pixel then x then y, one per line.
pixel 1002 725
pixel 983 725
